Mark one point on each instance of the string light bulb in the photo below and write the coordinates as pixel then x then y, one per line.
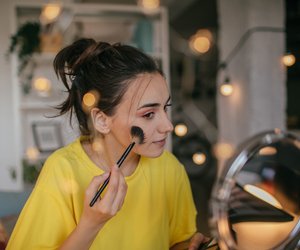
pixel 199 158
pixel 149 6
pixel 42 85
pixel 200 42
pixel 223 150
pixel 226 88
pixel 50 13
pixel 180 129
pixel 90 100
pixel 288 59
pixel 32 153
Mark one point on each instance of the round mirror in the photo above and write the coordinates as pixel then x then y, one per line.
pixel 256 200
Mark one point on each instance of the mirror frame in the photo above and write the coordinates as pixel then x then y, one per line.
pixel 219 223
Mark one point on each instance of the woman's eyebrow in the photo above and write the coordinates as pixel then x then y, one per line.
pixel 154 104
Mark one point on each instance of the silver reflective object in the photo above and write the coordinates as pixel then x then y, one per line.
pixel 255 202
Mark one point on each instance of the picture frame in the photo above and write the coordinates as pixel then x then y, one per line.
pixel 47 136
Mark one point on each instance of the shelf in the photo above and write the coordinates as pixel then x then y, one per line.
pixel 103 22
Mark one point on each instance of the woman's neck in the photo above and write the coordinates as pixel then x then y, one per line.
pixel 104 155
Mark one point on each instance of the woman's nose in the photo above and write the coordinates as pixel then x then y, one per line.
pixel 166 125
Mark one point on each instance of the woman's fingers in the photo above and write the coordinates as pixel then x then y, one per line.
pixel 111 199
pixel 197 240
pixel 120 197
pixel 110 203
pixel 96 182
pixel 116 190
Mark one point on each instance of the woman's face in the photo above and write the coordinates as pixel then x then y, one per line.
pixel 145 104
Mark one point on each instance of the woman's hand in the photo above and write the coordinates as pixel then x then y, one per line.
pixel 197 240
pixel 111 202
pixel 191 244
pixel 93 218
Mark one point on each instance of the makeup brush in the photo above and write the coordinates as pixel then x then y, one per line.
pixel 137 135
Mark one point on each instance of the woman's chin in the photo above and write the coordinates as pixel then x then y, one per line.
pixel 154 154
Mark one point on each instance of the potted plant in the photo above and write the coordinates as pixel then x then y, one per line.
pixel 26 41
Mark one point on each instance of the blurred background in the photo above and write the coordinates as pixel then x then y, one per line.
pixel 232 67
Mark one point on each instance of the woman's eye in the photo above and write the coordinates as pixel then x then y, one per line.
pixel 148 115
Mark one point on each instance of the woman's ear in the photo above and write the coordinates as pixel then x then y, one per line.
pixel 101 122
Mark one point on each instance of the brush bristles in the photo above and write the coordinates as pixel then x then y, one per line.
pixel 137 133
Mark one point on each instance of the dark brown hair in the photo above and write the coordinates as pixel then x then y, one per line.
pixel 87 65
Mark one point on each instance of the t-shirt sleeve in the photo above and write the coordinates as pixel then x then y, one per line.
pixel 183 212
pixel 46 219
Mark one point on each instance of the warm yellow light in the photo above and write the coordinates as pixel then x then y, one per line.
pixel 180 129
pixel 32 153
pixel 149 4
pixel 89 99
pixel 201 41
pixel 201 44
pixel 50 12
pixel 268 151
pixel 42 85
pixel 226 89
pixel 289 60
pixel 262 194
pixel 97 146
pixel 223 150
pixel 69 186
pixel 199 158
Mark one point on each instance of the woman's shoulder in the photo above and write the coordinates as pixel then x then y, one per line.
pixel 64 156
pixel 68 151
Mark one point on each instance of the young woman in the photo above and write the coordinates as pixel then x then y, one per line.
pixel 147 204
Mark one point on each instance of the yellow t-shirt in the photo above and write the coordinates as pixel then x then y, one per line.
pixel 157 213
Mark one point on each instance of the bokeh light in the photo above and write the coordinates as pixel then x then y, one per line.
pixel 199 158
pixel 288 60
pixel 42 85
pixel 32 153
pixel 97 146
pixel 50 12
pixel 69 186
pixel 180 129
pixel 90 100
pixel 226 89
pixel 200 42
pixel 149 5
pixel 223 150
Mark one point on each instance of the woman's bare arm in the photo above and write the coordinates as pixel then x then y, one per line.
pixel 94 218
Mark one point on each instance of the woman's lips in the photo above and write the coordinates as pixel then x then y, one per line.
pixel 161 143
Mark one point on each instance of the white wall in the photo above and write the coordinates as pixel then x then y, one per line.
pixel 12 124
pixel 8 134
pixel 259 98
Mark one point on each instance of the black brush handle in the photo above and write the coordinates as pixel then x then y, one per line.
pixel 119 163
pixel 99 192
pixel 124 155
